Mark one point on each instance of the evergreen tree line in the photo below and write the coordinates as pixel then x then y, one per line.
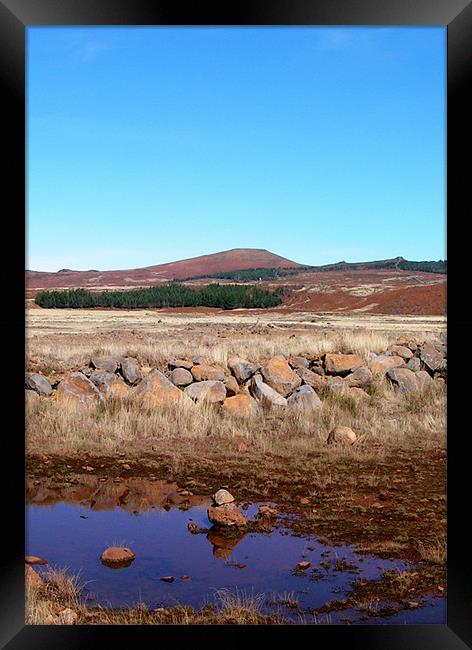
pixel 172 294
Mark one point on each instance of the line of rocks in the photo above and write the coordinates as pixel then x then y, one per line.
pixel 246 388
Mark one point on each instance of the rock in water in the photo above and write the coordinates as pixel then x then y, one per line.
pixel 226 515
pixel 117 556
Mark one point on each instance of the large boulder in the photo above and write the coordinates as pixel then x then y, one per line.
pixel 304 397
pixel 180 363
pixel 227 514
pixel 401 351
pixel 279 375
pixel 360 377
pixel 181 377
pixel 76 388
pixel 403 379
pixel 157 391
pixel 232 386
pixel 313 379
pixel 108 364
pixel 341 364
pixel 430 356
pixel 414 364
pixel 130 371
pixel 268 397
pixel 423 379
pixel 209 391
pixel 204 372
pixel 342 435
pixel 38 382
pixel 241 369
pixel 241 405
pixel 382 363
pixel 109 384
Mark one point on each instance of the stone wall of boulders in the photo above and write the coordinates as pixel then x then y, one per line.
pixel 244 387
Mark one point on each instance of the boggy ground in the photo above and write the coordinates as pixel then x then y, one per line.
pixel 386 494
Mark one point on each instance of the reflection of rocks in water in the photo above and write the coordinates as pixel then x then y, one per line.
pixel 223 544
pixel 131 494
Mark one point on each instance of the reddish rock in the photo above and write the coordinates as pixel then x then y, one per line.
pixel 342 435
pixel 312 378
pixel 180 363
pixel 34 559
pixel 32 579
pixel 181 377
pixel 156 391
pixel 241 369
pixel 226 515
pixel 401 351
pixel 382 364
pixel 279 375
pixel 431 357
pixel 341 364
pixel 109 384
pixel 242 405
pixel 360 377
pixel 358 393
pixel 423 379
pixel 117 556
pixel 268 397
pixel 209 391
pixel 192 527
pixel 403 379
pixel 75 389
pixel 266 512
pixel 204 372
pixel 299 362
pixel 303 566
pixel 232 386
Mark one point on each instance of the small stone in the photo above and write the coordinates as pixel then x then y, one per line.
pixel 267 512
pixel 303 565
pixel 126 466
pixel 222 496
pixel 33 559
pixel 343 435
pixel 117 556
pixel 304 501
pixel 168 579
pixel 185 577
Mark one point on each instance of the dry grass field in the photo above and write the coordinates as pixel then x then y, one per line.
pixel 281 456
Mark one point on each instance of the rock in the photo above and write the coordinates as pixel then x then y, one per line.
pixel 268 397
pixel 241 405
pixel 168 579
pixel 34 559
pixel 299 362
pixel 108 364
pixel 341 364
pixel 109 384
pixel 241 369
pixel 197 359
pixel 401 351
pixel 157 391
pixel 335 383
pixel 279 376
pixel 414 364
pixel 192 527
pixel 37 382
pixel 312 378
pixel 180 363
pixel 181 377
pixel 360 377
pixel 32 399
pixel 32 579
pixel 358 393
pixel 382 363
pixel 266 512
pixel 343 435
pixel 226 515
pixel 423 379
pixel 204 372
pixel 232 386
pixel 130 371
pixel 403 379
pixel 302 566
pixel 76 388
pixel 68 617
pixel 210 391
pixel 221 497
pixel 117 556
pixel 431 357
pixel 304 397
pixel 412 345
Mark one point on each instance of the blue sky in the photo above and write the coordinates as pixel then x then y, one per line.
pixel 148 145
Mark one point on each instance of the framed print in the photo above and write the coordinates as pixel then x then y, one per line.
pixel 236 320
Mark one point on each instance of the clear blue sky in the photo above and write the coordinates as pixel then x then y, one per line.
pixel 148 145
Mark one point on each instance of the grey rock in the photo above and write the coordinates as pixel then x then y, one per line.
pixel 131 371
pixel 37 382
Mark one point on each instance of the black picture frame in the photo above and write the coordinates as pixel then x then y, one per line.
pixel 15 17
